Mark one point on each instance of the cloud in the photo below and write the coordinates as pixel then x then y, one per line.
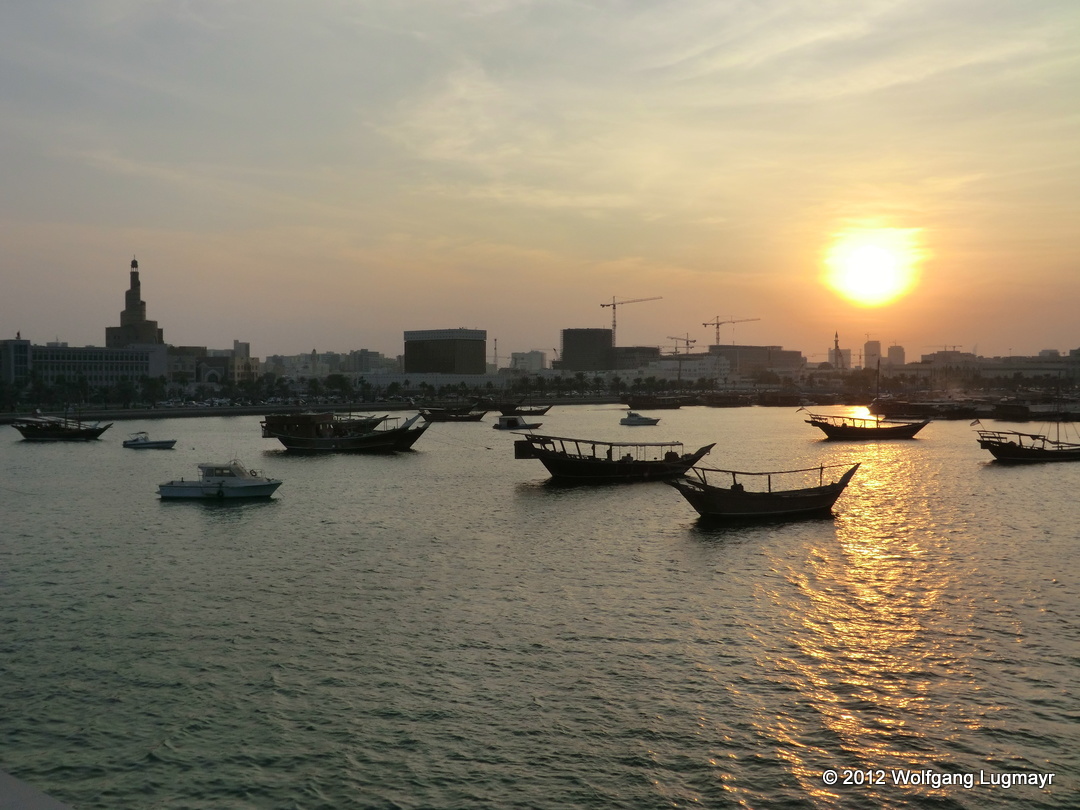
pixel 690 140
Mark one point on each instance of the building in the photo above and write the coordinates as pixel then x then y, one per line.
pixel 15 360
pixel 632 357
pixel 446 351
pixel 586 350
pixel 895 357
pixel 134 328
pixel 752 359
pixel 871 354
pixel 840 359
pixel 689 367
pixel 365 361
pixel 199 365
pixel 88 366
pixel 528 362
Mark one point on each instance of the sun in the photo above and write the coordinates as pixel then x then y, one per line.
pixel 873 266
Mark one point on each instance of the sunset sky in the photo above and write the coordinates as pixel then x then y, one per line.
pixel 327 174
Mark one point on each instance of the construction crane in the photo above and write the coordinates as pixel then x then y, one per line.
pixel 615 304
pixel 686 341
pixel 718 323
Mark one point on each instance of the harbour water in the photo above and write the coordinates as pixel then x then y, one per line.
pixel 443 629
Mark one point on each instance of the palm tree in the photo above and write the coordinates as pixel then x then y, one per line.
pixel 152 389
pixel 125 392
pixel 341 384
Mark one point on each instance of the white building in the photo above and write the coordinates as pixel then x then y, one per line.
pixel 528 362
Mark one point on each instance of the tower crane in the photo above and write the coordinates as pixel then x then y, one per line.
pixel 718 323
pixel 686 341
pixel 615 304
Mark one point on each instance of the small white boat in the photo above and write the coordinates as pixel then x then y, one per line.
pixel 515 423
pixel 636 419
pixel 220 481
pixel 142 441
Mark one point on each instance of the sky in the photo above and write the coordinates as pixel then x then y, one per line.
pixel 326 175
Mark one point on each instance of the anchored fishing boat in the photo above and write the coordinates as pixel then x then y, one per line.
pixel 514 422
pixel 1013 447
pixel 637 420
pixel 142 441
pixel 388 436
pixel 517 409
pixel 596 462
pixel 857 427
pixel 221 482
pixel 318 425
pixel 453 414
pixel 39 428
pixel 734 500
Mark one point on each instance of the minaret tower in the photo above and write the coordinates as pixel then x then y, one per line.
pixel 134 307
pixel 134 328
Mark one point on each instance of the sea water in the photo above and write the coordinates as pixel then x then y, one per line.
pixel 444 629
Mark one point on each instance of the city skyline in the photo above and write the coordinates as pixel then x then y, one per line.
pixel 327 177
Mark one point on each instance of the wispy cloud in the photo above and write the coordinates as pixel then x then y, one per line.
pixel 663 140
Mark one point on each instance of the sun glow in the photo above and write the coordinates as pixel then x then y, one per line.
pixel 873 266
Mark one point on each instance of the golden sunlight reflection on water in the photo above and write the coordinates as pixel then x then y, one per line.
pixel 868 630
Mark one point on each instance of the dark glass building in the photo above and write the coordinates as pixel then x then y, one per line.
pixel 446 351
pixel 586 350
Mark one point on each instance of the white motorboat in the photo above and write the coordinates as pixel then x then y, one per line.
pixel 636 419
pixel 515 423
pixel 142 441
pixel 221 481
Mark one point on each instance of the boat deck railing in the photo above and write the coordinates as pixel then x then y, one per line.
pixel 702 474
pixel 587 448
pixel 841 420
pixel 1015 436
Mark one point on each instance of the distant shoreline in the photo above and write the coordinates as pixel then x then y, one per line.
pixel 121 414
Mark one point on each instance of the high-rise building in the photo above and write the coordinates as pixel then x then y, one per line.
pixel 134 328
pixel 446 351
pixel 586 350
pixel 895 357
pixel 871 354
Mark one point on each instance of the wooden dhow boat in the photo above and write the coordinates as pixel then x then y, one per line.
pixel 517 409
pixel 857 427
pixel 701 488
pixel 318 425
pixel 1014 447
pixel 588 461
pixel 40 428
pixel 514 422
pixel 387 437
pixel 453 414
